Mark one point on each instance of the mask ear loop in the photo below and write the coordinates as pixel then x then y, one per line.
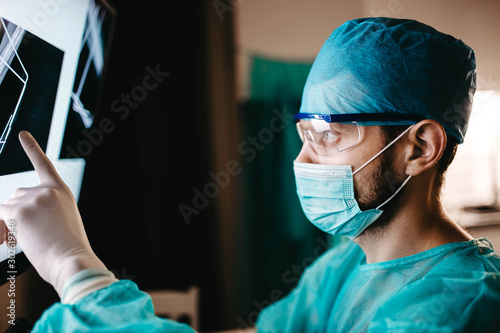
pixel 380 152
pixel 394 194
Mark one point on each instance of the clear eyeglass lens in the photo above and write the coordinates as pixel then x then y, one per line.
pixel 329 138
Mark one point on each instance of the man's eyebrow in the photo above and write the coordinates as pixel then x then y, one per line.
pixel 305 124
pixel 342 126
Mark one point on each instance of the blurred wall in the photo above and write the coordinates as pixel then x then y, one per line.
pixel 296 30
pixel 291 30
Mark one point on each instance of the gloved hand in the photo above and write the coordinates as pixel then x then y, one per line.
pixel 47 224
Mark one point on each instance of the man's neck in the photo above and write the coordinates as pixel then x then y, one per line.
pixel 413 229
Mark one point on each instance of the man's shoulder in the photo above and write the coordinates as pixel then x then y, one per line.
pixel 488 256
pixel 457 302
pixel 469 272
pixel 477 258
pixel 461 293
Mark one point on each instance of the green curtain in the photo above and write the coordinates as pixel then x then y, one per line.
pixel 276 241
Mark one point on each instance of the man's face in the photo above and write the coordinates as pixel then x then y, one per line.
pixel 378 180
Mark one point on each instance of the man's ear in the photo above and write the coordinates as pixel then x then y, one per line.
pixel 427 141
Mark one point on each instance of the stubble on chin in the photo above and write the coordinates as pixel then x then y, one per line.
pixel 372 190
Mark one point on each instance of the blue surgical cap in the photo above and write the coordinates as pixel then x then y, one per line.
pixel 393 66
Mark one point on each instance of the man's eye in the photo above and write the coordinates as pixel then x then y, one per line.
pixel 330 137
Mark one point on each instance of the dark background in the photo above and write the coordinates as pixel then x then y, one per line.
pixel 136 178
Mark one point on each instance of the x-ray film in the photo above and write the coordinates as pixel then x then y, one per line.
pixel 85 96
pixel 13 77
pixel 51 78
pixel 30 69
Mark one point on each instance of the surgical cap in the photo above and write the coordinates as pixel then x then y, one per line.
pixel 393 67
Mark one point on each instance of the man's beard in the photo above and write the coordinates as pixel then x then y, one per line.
pixel 384 184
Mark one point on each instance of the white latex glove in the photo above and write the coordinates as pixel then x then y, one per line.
pixel 47 223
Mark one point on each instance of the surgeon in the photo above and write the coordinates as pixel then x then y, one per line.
pixel 385 105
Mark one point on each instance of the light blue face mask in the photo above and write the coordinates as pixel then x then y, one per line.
pixel 326 193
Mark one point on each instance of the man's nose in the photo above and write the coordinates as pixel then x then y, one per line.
pixel 306 154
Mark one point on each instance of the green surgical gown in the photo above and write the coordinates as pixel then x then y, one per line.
pixel 121 307
pixel 451 288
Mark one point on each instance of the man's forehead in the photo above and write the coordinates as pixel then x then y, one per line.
pixel 321 125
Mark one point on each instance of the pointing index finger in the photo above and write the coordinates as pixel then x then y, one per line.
pixel 43 167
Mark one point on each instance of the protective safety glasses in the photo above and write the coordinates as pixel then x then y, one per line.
pixel 334 133
pixel 326 137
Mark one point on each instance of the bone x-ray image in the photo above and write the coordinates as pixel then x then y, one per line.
pixel 12 75
pixel 29 76
pixel 87 88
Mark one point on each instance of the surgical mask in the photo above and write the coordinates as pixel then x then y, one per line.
pixel 326 193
